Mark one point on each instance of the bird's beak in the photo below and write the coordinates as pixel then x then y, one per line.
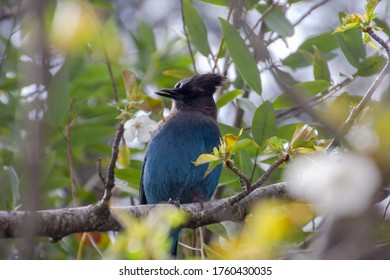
pixel 170 93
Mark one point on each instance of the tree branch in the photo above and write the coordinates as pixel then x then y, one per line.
pixel 59 223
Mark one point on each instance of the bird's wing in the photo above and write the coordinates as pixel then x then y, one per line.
pixel 142 197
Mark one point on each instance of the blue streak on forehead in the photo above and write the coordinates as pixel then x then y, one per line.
pixel 183 82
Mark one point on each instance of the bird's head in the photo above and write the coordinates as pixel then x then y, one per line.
pixel 195 93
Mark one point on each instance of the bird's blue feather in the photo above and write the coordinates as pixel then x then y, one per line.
pixel 176 144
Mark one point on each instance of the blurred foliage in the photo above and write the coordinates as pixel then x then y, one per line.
pixel 64 86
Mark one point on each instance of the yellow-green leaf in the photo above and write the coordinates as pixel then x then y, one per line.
pixel 178 73
pixel 370 7
pixel 304 150
pixel 149 104
pixel 205 158
pixel 304 133
pixel 123 157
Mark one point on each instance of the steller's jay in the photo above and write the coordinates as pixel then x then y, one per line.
pixel 190 130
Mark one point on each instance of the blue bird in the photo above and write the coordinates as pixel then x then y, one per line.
pixel 190 130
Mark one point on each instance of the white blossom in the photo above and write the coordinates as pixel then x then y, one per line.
pixel 140 127
pixel 363 138
pixel 343 185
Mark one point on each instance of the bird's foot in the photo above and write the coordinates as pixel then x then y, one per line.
pixel 175 201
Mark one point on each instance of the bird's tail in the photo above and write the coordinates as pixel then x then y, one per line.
pixel 174 235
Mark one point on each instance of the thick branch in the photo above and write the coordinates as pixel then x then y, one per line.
pixel 59 223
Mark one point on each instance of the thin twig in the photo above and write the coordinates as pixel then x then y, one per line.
pixel 109 68
pixel 315 100
pixel 385 212
pixel 201 240
pixel 9 37
pixel 283 158
pixel 110 183
pixel 367 96
pixel 72 171
pixel 297 98
pixel 235 199
pixel 254 165
pixel 81 245
pixel 373 35
pixel 100 172
pixel 221 43
pixel 245 182
pixel 187 37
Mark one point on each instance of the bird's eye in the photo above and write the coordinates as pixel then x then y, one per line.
pixel 178 85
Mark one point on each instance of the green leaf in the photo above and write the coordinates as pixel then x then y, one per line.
pixel 14 182
pixel 243 144
pixel 354 38
pixel 196 28
pixel 241 56
pixel 146 35
pixel 264 123
pixel 218 229
pixel 346 49
pixel 371 65
pixel 211 167
pixel 59 102
pixel 325 42
pixel 303 57
pixel 131 175
pixel 246 105
pixel 307 89
pixel 275 144
pixel 276 21
pixel 351 44
pixel 320 66
pixel 227 97
pixel 383 25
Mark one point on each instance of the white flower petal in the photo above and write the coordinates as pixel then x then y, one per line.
pixel 129 123
pixel 129 133
pixel 141 119
pixel 144 137
pixel 150 126
pixel 343 185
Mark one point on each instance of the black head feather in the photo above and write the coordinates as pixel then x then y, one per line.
pixel 195 94
pixel 194 87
